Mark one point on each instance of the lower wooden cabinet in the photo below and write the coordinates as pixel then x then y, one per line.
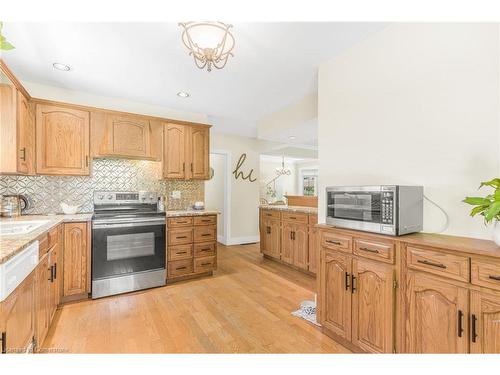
pixel 437 316
pixel 313 249
pixel 485 322
pixel 17 322
pixel 76 259
pixel 42 299
pixel 271 238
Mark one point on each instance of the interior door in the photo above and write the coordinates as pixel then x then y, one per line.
pixel 174 164
pixel 485 323
pixel 336 293
pixel 199 152
pixel 287 242
pixel 437 316
pixel 300 246
pixel 373 306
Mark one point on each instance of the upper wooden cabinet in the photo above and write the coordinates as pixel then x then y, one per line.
pixel 62 140
pixel 127 136
pixel 186 152
pixel 17 129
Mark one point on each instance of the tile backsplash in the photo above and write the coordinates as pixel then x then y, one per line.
pixel 47 192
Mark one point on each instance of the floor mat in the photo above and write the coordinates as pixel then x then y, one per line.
pixel 307 311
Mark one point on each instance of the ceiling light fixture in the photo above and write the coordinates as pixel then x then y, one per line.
pixel 183 94
pixel 292 138
pixel 210 43
pixel 283 171
pixel 62 67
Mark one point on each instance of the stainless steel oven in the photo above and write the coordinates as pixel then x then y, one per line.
pixel 128 243
pixel 385 209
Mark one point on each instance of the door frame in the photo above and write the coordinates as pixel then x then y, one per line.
pixel 226 211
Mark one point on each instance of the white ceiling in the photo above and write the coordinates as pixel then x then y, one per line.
pixel 275 64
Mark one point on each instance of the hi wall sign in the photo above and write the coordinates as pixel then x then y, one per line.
pixel 239 170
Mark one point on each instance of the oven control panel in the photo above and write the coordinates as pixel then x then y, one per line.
pixel 387 209
pixel 125 197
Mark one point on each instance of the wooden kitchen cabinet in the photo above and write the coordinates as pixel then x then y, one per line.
pixel 485 322
pixel 186 152
pixel 295 246
pixel 287 242
pixel 17 129
pixel 373 300
pixel 76 259
pixel 437 315
pixel 313 249
pixel 17 318
pixel 125 136
pixel 42 299
pixel 335 293
pixel 271 238
pixel 62 140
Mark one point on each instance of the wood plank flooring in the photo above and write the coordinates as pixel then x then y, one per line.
pixel 244 308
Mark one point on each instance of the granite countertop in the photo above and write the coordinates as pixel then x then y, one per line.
pixel 303 209
pixel 176 213
pixel 11 245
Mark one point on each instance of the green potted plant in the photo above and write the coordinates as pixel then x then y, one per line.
pixel 488 206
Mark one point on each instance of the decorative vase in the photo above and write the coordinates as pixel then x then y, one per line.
pixel 496 233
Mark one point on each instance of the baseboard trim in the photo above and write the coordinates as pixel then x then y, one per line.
pixel 242 240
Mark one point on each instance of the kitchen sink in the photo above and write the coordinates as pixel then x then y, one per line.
pixel 20 227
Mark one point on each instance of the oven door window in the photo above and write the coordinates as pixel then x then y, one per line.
pixel 121 251
pixel 359 206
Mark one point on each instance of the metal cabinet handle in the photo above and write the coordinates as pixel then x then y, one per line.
pixel 51 269
pixel 4 342
pixel 23 150
pixel 333 242
pixel 191 167
pixel 428 263
pixel 460 319
pixel 347 281
pixel 181 268
pixel 493 277
pixel 353 287
pixel 206 249
pixel 184 167
pixel 206 264
pixel 180 237
pixel 182 252
pixel 55 271
pixel 473 328
pixel 206 234
pixel 87 160
pixel 369 250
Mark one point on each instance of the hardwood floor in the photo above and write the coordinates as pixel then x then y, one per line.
pixel 244 308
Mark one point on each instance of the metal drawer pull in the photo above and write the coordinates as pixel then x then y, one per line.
pixel 460 318
pixel 473 328
pixel 23 150
pixel 427 263
pixel 333 242
pixel 206 249
pixel 182 252
pixel 206 221
pixel 369 250
pixel 206 234
pixel 180 237
pixel 206 264
pixel 180 268
pixel 182 222
pixel 293 218
pixel 496 278
pixel 4 342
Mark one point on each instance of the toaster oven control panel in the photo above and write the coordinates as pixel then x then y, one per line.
pixel 387 210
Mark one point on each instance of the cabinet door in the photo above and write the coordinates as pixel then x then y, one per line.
pixel 300 246
pixel 75 259
pixel 128 135
pixel 274 241
pixel 174 163
pixel 485 323
pixel 437 316
pixel 313 249
pixel 373 306
pixel 25 135
pixel 42 288
pixel 62 141
pixel 335 293
pixel 54 284
pixel 18 317
pixel 287 242
pixel 199 153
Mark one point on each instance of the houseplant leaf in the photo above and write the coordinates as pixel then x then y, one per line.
pixel 492 211
pixel 477 201
pixel 493 183
pixel 478 209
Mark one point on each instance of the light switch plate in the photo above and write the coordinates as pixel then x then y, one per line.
pixel 176 194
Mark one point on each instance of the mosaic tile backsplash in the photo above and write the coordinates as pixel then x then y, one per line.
pixel 47 192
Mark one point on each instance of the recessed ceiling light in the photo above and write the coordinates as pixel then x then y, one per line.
pixel 292 137
pixel 183 94
pixel 60 66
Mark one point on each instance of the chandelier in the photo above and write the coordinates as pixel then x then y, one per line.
pixel 210 43
pixel 283 171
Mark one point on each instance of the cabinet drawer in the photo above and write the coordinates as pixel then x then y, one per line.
pixel 295 217
pixel 53 237
pixel 313 219
pixel 180 236
pixel 336 242
pixel 180 252
pixel 205 249
pixel 180 268
pixel 486 273
pixel 43 245
pixel 205 234
pixel 383 251
pixel 181 221
pixel 205 220
pixel 205 264
pixel 271 214
pixel 443 264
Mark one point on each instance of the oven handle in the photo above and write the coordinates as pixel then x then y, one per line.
pixel 127 224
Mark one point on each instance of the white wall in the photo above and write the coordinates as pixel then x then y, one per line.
pixel 214 191
pixel 415 104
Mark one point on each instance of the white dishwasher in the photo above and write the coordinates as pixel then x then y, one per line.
pixel 16 269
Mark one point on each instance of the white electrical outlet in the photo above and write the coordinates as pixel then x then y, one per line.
pixel 176 194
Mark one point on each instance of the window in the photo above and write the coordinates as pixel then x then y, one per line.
pixel 308 182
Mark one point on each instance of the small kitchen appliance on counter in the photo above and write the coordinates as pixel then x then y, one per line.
pixel 12 205
pixel 386 209
pixel 128 242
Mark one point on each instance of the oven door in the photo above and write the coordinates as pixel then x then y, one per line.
pixel 356 208
pixel 122 247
